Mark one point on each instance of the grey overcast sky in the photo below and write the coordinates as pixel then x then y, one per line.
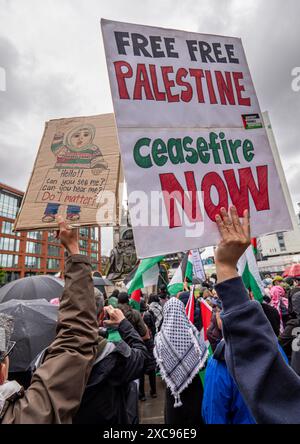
pixel 53 55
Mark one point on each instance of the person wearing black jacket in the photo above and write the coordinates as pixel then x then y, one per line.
pixel 149 319
pixel 270 388
pixel 105 400
pixel 289 339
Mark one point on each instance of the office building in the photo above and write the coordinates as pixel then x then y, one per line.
pixel 36 252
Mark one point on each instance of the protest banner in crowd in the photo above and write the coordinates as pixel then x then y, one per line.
pixel 191 136
pixel 198 266
pixel 77 164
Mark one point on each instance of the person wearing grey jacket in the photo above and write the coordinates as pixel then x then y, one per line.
pixel 270 388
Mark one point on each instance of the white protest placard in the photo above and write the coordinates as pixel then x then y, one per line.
pixel 191 136
pixel 198 267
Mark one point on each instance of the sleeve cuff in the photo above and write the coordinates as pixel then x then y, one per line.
pixel 125 326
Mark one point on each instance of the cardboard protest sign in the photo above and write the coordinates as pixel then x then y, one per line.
pixel 77 166
pixel 191 136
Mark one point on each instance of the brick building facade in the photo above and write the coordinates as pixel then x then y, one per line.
pixel 37 252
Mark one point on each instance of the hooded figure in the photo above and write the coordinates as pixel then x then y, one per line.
pixel 180 354
pixel 288 338
pixel 280 302
pixel 295 361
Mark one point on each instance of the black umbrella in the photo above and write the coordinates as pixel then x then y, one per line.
pixel 100 281
pixel 33 287
pixel 34 330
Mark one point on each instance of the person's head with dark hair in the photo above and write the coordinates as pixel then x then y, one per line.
pixel 143 306
pixel 153 298
pixel 184 297
pixel 207 286
pixel 297 281
pixel 214 276
pixel 163 290
pixel 267 299
pixel 99 298
pixel 123 298
pixel 115 294
pixel 296 304
pixel 290 281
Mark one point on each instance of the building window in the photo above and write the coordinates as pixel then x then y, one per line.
pixel 32 262
pixel 83 244
pixel 53 264
pixel 11 276
pixel 94 256
pixel 83 252
pixel 95 234
pixel 94 246
pixel 281 241
pixel 9 205
pixel 36 235
pixel 8 261
pixel 52 238
pixel 84 232
pixel 9 244
pixel 33 247
pixel 7 228
pixel 53 250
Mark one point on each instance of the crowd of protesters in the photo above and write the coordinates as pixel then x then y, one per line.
pixel 245 372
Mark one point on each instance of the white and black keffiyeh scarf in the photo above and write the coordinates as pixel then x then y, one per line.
pixel 157 310
pixel 179 350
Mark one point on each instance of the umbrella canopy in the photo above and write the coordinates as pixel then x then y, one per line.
pixel 33 287
pixel 293 271
pixel 100 281
pixel 34 330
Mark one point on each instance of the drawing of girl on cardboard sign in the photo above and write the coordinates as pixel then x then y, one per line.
pixel 77 150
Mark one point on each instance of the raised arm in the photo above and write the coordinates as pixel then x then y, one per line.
pixel 135 361
pixel 270 388
pixel 58 385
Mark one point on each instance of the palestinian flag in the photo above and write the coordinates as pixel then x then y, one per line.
pixel 144 274
pixel 135 300
pixel 184 272
pixel 248 269
pixel 206 314
pixel 254 245
pixel 190 307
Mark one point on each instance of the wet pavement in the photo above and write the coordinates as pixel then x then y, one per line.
pixel 152 410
